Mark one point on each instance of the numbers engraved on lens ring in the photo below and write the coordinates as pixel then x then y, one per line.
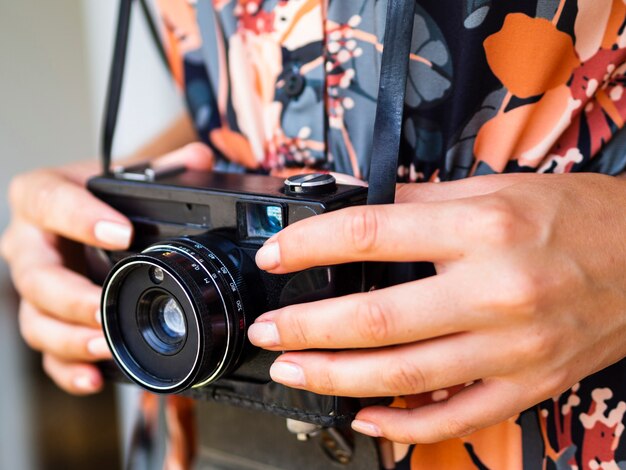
pixel 236 298
pixel 222 268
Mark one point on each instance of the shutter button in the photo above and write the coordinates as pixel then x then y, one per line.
pixel 294 83
pixel 316 183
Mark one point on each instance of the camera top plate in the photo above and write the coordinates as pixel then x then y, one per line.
pixel 186 186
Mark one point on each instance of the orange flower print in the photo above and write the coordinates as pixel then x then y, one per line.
pixel 530 55
pixel 526 133
pixel 464 452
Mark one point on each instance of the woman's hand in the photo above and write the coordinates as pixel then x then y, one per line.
pixel 530 298
pixel 59 308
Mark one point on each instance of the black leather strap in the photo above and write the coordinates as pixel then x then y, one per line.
pixel 389 111
pixel 114 90
pixel 116 74
pixel 388 121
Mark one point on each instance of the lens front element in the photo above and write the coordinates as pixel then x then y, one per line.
pixel 171 319
pixel 161 320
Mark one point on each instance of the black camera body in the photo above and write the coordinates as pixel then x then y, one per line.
pixel 176 306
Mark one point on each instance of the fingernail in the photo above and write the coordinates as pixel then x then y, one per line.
pixel 268 257
pixel 84 383
pixel 113 233
pixel 264 334
pixel 367 428
pixel 287 373
pixel 98 317
pixel 98 347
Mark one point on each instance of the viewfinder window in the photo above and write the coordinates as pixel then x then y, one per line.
pixel 263 220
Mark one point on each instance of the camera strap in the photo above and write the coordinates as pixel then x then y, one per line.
pixel 388 120
pixel 116 74
pixel 390 104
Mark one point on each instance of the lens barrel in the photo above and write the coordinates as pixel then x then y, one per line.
pixel 174 315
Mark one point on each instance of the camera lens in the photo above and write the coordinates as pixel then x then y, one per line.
pixel 174 314
pixel 161 320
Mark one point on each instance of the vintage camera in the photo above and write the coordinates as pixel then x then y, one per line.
pixel 177 305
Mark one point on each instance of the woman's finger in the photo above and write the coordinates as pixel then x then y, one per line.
pixel 49 200
pixel 475 407
pixel 394 371
pixel 22 240
pixel 42 280
pixel 399 232
pixel 69 342
pixel 63 293
pixel 428 308
pixel 73 377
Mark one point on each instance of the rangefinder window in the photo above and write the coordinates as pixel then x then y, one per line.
pixel 263 220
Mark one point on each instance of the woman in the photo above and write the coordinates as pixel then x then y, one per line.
pixel 528 303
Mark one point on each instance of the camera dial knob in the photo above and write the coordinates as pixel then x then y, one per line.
pixel 313 183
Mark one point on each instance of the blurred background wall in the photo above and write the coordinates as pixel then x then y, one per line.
pixel 54 58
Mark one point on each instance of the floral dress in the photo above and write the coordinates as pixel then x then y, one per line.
pixel 494 86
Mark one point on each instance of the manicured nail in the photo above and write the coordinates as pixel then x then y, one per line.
pixel 268 257
pixel 85 383
pixel 264 334
pixel 287 373
pixel 98 317
pixel 367 428
pixel 98 347
pixel 112 233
